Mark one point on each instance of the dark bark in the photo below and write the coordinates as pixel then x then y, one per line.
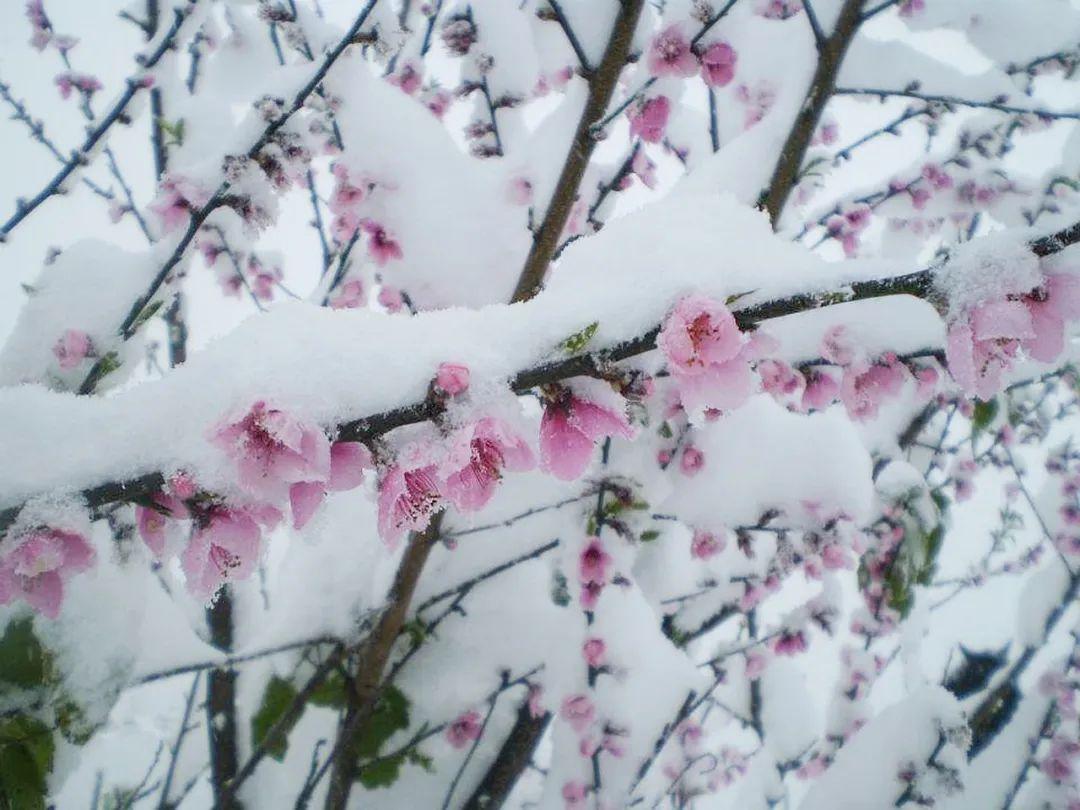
pixel 513 757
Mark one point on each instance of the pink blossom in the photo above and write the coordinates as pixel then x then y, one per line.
pixel 408 78
pixel 177 197
pixel 1057 768
pixel 936 176
pixel 1057 301
pixel 477 456
pixel 649 119
pixel 595 652
pixel 409 493
pixel 755 665
pixel 812 768
pixel 865 387
pixel 452 378
pixel 464 730
pixel 438 101
pixel 718 64
pixel 594 563
pixel 391 298
pixel 35 566
pixel 350 296
pixel 72 348
pixel 910 8
pixel 789 643
pixel 578 711
pixel 707 354
pixel 272 450
pixel 692 461
pixel 779 379
pixel 569 428
pixel 520 191
pixel 670 54
pixel 590 595
pixel 706 544
pixel 224 547
pixel 381 246
pixel 573 794
pixel 821 391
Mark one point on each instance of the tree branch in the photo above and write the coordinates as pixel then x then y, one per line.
pixel 830 55
pixel 601 87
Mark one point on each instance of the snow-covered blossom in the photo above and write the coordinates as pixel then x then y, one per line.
pixel 595 652
pixel 706 544
pixel 718 64
pixel 594 563
pixel 707 354
pixel 578 711
pixel 272 450
pixel 984 343
pixel 568 430
pixel 670 54
pixel 692 461
pixel 574 794
pixel 35 565
pixel 349 296
pixel 477 455
pixel 72 348
pixel 177 197
pixel 452 378
pixel 382 247
pixel 865 386
pixel 464 729
pixel 644 168
pixel 83 82
pixel 649 119
pixel 224 547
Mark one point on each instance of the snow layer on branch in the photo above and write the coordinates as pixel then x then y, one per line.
pixel 865 774
pixel 762 453
pixel 1006 31
pixel 89 288
pixel 894 65
pixel 331 366
pixel 988 269
pixel 464 245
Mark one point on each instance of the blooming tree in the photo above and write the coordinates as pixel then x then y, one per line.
pixel 555 403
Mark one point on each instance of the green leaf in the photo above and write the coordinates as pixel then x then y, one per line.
pixel 23 662
pixel 381 773
pixel 72 721
pixel 109 363
pixel 577 342
pixel 560 593
pixel 147 313
pixel 330 693
pixel 277 697
pixel 984 414
pixel 649 535
pixel 391 714
pixel 665 430
pixel 26 757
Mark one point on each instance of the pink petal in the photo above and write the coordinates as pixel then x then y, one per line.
pixel 565 451
pixel 1002 319
pixel 44 593
pixel 348 461
pixel 1049 340
pixel 305 498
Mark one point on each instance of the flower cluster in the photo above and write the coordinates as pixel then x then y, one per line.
pixel 986 340
pixel 35 564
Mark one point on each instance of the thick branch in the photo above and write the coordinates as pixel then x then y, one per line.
pixel 513 757
pixel 373 656
pixel 918 284
pixel 601 87
pixel 830 55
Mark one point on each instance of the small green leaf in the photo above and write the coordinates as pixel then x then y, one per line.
pixel 108 364
pixel 381 773
pixel 560 593
pixel 277 697
pixel 577 342
pixel 984 414
pixel 23 662
pixel 26 758
pixel 649 535
pixel 665 431
pixel 331 693
pixel 147 313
